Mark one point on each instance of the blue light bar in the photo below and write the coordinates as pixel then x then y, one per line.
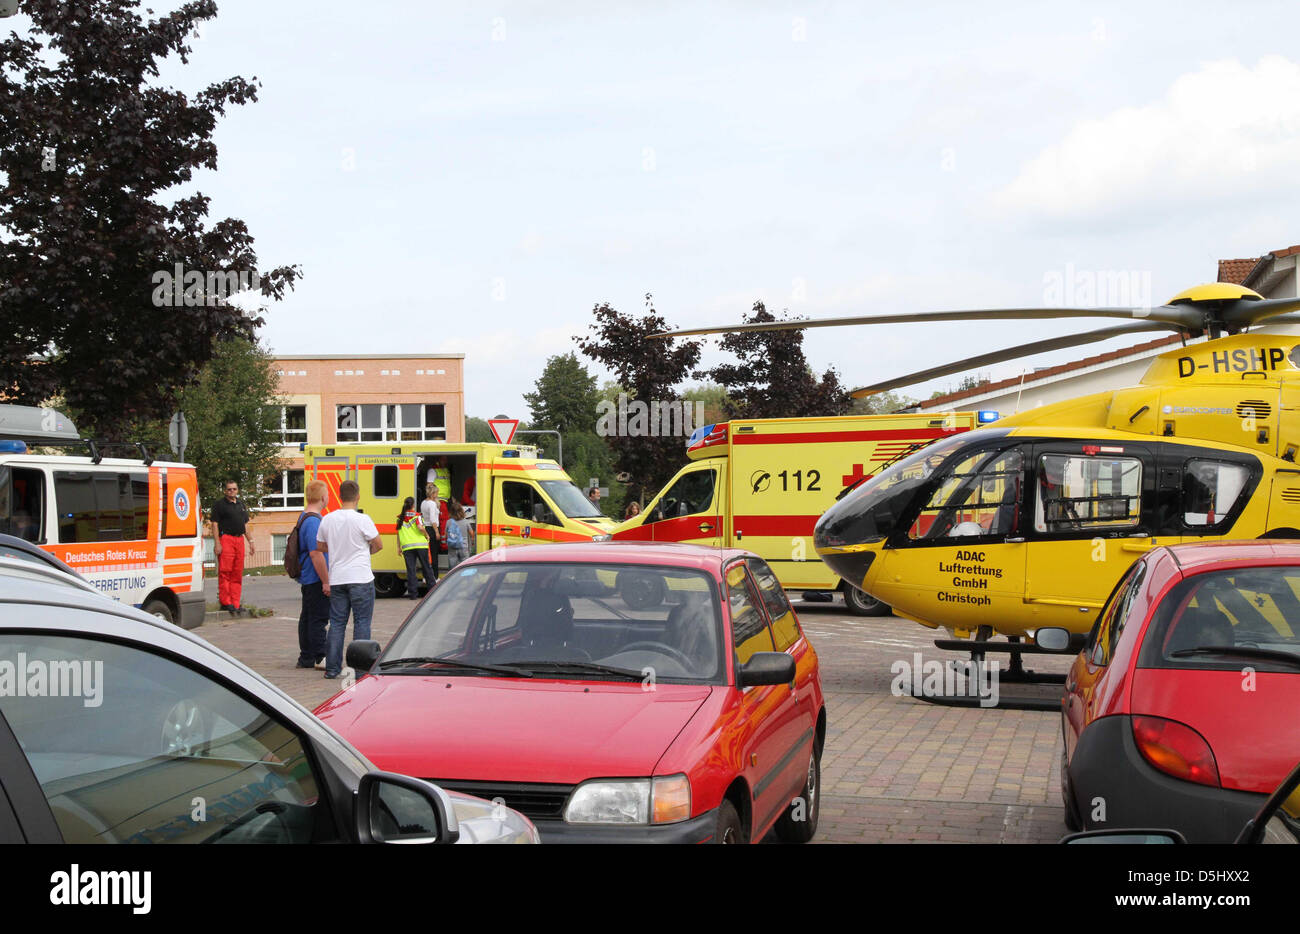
pixel 988 415
pixel 13 447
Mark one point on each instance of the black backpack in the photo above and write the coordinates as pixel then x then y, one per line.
pixel 292 552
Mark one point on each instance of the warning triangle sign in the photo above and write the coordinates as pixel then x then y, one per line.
pixel 503 429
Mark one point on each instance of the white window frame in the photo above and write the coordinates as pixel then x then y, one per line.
pixel 299 435
pixel 279 502
pixel 396 432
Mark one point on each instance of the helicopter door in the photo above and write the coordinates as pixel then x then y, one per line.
pixel 964 548
pixel 1092 515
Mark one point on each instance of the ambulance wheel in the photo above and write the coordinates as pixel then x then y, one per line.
pixel 863 604
pixel 389 585
pixel 641 591
pixel 160 609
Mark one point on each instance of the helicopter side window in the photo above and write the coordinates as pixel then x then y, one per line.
pixel 980 496
pixel 1211 490
pixel 1078 492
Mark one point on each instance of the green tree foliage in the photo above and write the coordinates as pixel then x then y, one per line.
pixel 233 415
pixel 477 431
pixel 92 150
pixel 970 381
pixel 566 401
pixel 649 371
pixel 881 403
pixel 772 378
pixel 714 397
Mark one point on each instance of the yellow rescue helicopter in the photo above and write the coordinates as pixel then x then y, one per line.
pixel 1031 521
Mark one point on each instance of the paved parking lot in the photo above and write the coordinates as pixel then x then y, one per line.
pixel 895 769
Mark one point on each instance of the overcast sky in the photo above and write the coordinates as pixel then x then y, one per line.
pixel 475 177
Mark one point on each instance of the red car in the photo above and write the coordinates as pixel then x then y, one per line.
pixel 609 691
pixel 1181 711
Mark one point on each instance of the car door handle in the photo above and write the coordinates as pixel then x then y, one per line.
pixel 706 527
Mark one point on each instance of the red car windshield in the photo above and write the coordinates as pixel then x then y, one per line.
pixel 661 623
pixel 1225 618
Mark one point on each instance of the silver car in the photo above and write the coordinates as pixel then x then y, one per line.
pixel 117 727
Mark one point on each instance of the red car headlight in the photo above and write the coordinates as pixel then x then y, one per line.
pixel 1176 749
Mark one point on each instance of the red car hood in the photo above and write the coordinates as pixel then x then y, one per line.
pixel 509 729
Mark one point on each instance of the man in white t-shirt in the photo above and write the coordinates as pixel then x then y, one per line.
pixel 349 538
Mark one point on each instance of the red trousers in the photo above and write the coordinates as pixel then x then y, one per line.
pixel 230 570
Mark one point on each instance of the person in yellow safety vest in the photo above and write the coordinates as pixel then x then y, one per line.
pixel 414 543
pixel 440 475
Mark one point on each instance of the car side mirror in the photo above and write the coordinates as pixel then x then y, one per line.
pixel 1052 638
pixel 392 808
pixel 361 655
pixel 1121 835
pixel 766 668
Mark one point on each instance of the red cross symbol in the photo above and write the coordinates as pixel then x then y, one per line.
pixel 854 477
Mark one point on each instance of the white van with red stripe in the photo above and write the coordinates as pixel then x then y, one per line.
pixel 761 485
pixel 128 525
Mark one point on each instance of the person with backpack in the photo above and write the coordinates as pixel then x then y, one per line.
pixel 305 563
pixel 457 549
pixel 413 541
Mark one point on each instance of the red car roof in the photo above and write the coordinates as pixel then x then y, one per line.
pixel 671 554
pixel 1196 556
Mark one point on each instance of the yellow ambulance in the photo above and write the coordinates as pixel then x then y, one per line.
pixel 761 484
pixel 517 496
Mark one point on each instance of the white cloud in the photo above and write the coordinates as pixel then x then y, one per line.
pixel 1222 132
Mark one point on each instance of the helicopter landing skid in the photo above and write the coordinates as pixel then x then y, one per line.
pixel 1015 673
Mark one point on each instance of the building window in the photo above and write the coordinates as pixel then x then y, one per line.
pixel 279 542
pixel 385 422
pixel 284 490
pixel 292 423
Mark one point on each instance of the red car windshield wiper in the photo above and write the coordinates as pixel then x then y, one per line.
pixel 1243 651
pixel 595 667
pixel 415 663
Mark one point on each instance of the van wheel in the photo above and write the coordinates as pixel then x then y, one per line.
pixel 160 609
pixel 863 604
pixel 389 585
pixel 799 822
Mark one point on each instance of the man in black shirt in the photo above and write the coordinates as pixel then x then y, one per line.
pixel 229 530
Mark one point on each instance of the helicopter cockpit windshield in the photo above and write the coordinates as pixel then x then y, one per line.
pixel 874 510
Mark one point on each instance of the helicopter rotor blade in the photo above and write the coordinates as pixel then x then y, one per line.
pixel 1178 316
pixel 1012 353
pixel 1244 312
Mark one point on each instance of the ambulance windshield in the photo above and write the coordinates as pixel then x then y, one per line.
pixel 570 500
